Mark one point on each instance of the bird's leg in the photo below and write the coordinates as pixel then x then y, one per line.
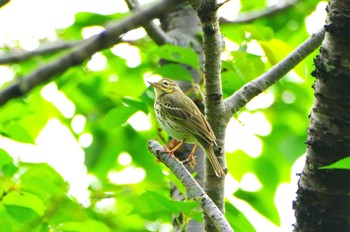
pixel 191 158
pixel 171 151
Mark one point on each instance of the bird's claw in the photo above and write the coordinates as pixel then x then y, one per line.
pixel 191 160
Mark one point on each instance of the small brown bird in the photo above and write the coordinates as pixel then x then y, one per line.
pixel 182 120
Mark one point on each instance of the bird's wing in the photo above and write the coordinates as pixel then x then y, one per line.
pixel 191 119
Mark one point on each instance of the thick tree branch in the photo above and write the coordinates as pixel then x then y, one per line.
pixel 153 31
pixel 255 87
pixel 248 17
pixel 214 105
pixel 19 55
pixel 212 47
pixel 198 194
pixel 323 200
pixel 3 2
pixel 81 53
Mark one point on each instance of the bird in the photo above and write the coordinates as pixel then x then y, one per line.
pixel 179 116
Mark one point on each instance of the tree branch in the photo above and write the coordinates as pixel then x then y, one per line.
pixel 255 87
pixel 81 53
pixel 212 47
pixel 214 104
pixel 154 32
pixel 198 194
pixel 19 55
pixel 3 2
pixel 251 16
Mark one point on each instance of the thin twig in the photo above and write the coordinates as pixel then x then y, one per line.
pixel 251 16
pixel 154 32
pixel 198 194
pixel 15 56
pixel 81 53
pixel 255 87
pixel 3 2
pixel 223 3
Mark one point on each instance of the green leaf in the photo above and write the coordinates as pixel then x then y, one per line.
pixel 16 132
pixel 118 116
pixel 43 181
pixel 152 203
pixel 231 82
pixel 262 201
pixel 7 167
pixel 86 19
pixel 68 210
pixel 259 33
pixel 243 33
pixel 85 226
pixel 267 171
pixel 21 214
pixel 237 219
pixel 247 5
pixel 340 164
pixel 178 54
pixel 174 71
pixel 275 50
pixel 23 206
pixel 247 66
pixel 139 105
pixel 177 183
pixel 13 110
pixel 5 220
pixel 5 158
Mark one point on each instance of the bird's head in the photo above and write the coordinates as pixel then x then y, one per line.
pixel 164 86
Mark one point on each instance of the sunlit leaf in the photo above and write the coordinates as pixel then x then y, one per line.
pixel 17 203
pixel 16 132
pixel 260 33
pixel 246 65
pixel 272 54
pixel 5 220
pixel 249 5
pixel 174 71
pixel 88 226
pixel 135 104
pixel 237 219
pixel 13 110
pixel 262 201
pixel 178 54
pixel 7 167
pixel 151 203
pixel 118 116
pixel 43 181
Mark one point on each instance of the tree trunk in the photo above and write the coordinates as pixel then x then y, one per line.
pixel 323 200
pixel 182 26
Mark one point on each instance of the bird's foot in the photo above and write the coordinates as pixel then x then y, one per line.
pixel 191 160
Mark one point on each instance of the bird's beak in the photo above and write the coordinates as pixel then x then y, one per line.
pixel 154 84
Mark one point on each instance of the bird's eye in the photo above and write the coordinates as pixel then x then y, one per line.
pixel 165 83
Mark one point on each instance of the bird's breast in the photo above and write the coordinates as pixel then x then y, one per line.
pixel 174 129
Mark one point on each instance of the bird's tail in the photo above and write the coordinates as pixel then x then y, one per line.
pixel 213 160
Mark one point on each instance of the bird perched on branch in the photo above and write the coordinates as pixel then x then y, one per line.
pixel 181 119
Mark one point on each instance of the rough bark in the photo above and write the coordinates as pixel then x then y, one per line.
pixel 214 104
pixel 323 200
